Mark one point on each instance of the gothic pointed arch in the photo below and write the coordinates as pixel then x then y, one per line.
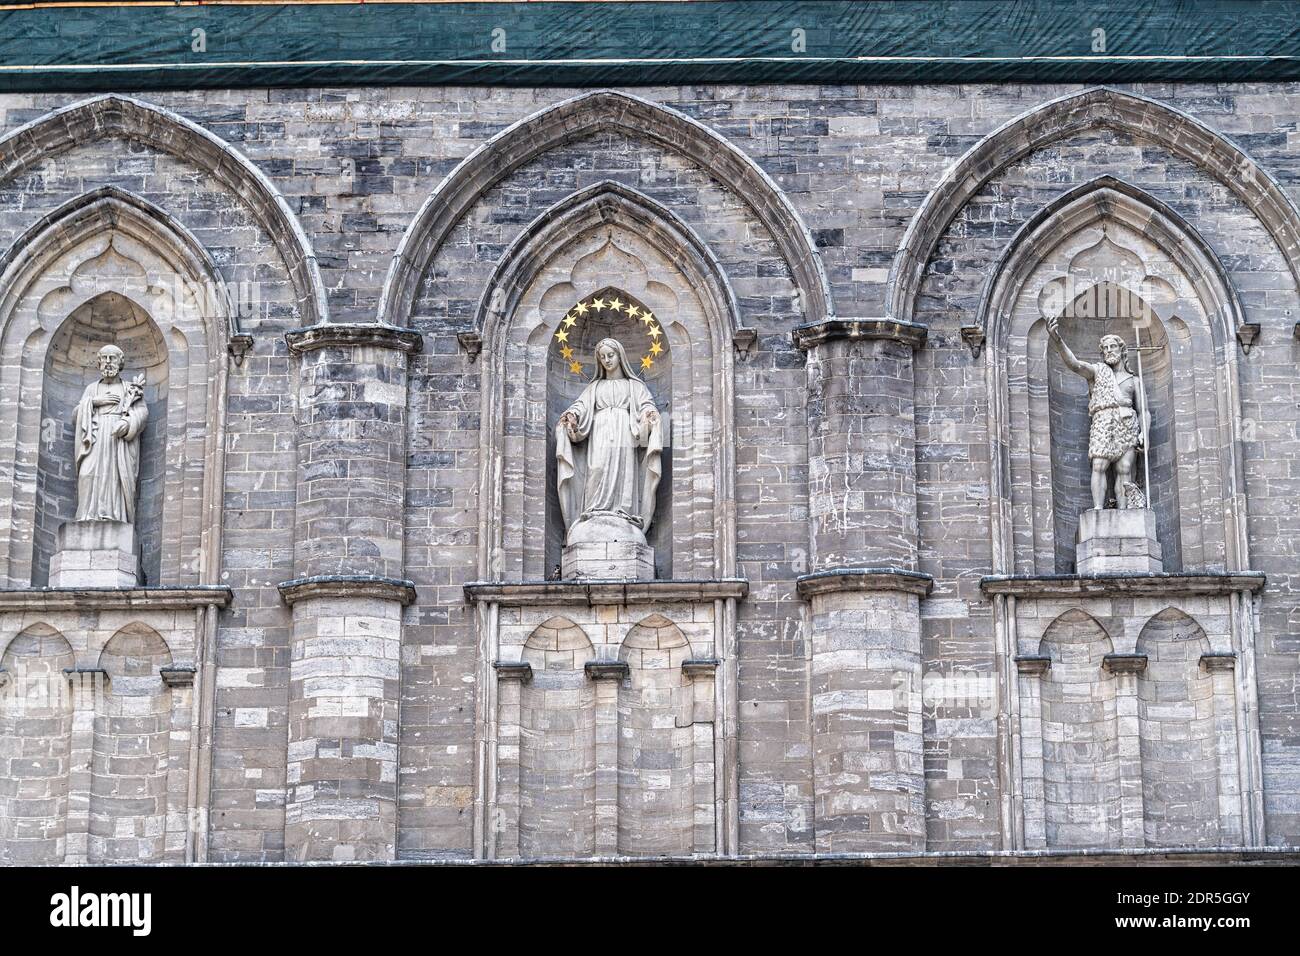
pixel 1108 239
pixel 1059 119
pixel 124 117
pixel 606 236
pixel 112 251
pixel 586 115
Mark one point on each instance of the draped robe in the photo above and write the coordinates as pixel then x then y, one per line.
pixel 613 476
pixel 108 467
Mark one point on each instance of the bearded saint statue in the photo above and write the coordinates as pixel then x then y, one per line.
pixel 109 419
pixel 1118 413
pixel 607 488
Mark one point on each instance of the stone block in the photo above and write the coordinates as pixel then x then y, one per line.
pixel 1117 541
pixel 95 554
pixel 608 560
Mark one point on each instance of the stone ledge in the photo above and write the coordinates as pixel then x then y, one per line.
pixel 1219 661
pixel 909 333
pixel 347 586
pixel 1124 663
pixel 592 593
pixel 521 671
pixel 1138 585
pixel 1033 665
pixel 835 580
pixel 700 667
pixel 335 335
pixel 607 670
pixel 95 599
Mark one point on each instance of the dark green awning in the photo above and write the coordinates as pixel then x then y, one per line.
pixel 137 46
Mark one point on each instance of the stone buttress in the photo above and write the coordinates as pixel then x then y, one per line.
pixel 862 587
pixel 348 592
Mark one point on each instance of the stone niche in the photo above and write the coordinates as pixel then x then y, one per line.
pixel 608 710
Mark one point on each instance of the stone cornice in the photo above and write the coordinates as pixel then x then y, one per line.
pixel 335 335
pixel 835 580
pixel 1033 665
pixel 347 586
pixel 521 671
pixel 103 599
pixel 1124 663
pixel 607 670
pixel 909 333
pixel 603 592
pixel 1101 585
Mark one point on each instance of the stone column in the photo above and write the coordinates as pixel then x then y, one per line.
pixel 863 589
pixel 348 592
pixel 1127 668
pixel 608 675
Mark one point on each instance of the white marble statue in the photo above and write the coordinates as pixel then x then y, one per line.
pixel 1119 418
pixel 608 450
pixel 109 419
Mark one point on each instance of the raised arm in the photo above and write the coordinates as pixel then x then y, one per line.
pixel 1071 362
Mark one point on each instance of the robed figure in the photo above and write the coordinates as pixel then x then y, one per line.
pixel 109 419
pixel 608 451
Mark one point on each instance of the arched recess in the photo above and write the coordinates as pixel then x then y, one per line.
pixel 132 744
pixel 586 115
pixel 656 743
pixel 1178 737
pixel 1060 119
pixel 111 243
pixel 1109 234
pixel 557 745
pixel 1080 736
pixel 35 747
pixel 608 235
pixel 109 116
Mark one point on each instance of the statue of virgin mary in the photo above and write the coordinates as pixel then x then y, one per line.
pixel 608 449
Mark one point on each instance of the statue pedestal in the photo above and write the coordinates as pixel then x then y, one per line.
pixel 1116 541
pixel 95 554
pixel 605 546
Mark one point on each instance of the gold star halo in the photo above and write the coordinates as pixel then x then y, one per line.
pixel 596 306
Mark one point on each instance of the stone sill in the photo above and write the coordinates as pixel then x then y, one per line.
pixel 835 580
pixel 593 593
pixel 347 586
pixel 351 335
pixel 1136 585
pixel 102 599
pixel 909 333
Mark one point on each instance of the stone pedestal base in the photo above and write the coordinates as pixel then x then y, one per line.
pixel 605 546
pixel 95 554
pixel 1114 541
pixel 606 560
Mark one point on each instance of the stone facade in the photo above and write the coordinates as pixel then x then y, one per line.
pixel 866 631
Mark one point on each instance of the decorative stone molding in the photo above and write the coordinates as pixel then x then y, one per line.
pixel 1033 665
pixel 744 340
pixel 1143 585
pixel 72 672
pixel 587 115
pixel 521 671
pixel 607 670
pixel 177 676
pixel 909 333
pixel 1068 116
pixel 835 580
pixel 1247 334
pixel 339 335
pixel 472 343
pixel 239 346
pixel 700 668
pixel 591 593
pixel 347 586
pixel 102 117
pixel 102 599
pixel 973 336
pixel 1124 663
pixel 1219 661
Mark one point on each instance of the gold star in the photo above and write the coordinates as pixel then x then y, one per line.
pixel 655 348
pixel 598 304
pixel 646 361
pixel 562 336
pixel 653 332
pixel 581 308
pixel 632 310
pixel 566 351
pixel 570 321
pixel 615 305
pixel 575 367
pixel 648 318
